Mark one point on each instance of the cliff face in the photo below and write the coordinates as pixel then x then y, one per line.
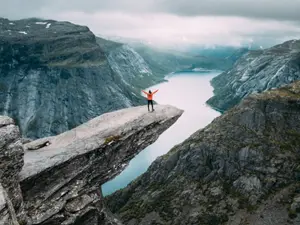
pixel 241 169
pixel 11 163
pixel 55 76
pixel 257 71
pixel 129 65
pixel 60 182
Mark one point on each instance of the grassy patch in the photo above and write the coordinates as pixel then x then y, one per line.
pixel 112 139
pixel 76 64
pixel 290 91
pixel 243 201
pixel 3 87
pixel 292 214
pixel 168 154
pixel 293 133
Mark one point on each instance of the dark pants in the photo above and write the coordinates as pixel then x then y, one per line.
pixel 150 102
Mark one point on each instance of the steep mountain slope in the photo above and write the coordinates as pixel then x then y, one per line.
pixel 257 71
pixel 241 169
pixel 129 65
pixel 55 75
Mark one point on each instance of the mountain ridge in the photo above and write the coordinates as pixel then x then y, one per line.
pixel 257 71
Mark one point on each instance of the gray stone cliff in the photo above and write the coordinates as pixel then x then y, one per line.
pixel 57 180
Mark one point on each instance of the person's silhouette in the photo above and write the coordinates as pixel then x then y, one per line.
pixel 150 98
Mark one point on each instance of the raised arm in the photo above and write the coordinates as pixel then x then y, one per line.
pixel 155 91
pixel 145 92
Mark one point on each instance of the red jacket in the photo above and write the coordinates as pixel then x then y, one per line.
pixel 150 96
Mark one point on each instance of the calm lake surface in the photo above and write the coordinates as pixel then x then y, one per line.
pixel 187 91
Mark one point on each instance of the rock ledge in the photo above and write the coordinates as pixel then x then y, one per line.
pixel 60 182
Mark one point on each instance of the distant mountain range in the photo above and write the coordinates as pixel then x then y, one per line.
pixel 170 59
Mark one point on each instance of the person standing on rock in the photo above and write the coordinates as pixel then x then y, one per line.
pixel 150 98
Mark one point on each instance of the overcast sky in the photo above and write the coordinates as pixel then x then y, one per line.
pixel 207 22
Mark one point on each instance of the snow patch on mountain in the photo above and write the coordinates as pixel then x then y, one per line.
pixel 41 23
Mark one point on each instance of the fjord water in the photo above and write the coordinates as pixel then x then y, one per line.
pixel 187 91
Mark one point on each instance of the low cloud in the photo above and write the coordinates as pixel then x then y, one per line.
pixel 263 9
pixel 270 9
pixel 166 29
pixel 172 22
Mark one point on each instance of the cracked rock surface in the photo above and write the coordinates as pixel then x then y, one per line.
pixel 60 183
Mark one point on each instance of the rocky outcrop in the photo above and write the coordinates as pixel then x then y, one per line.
pixel 11 163
pixel 60 182
pixel 57 75
pixel 241 169
pixel 257 71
